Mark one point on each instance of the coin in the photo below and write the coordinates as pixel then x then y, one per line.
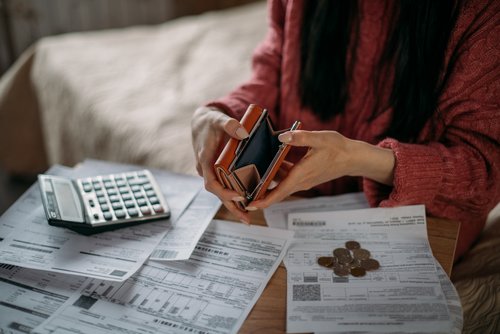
pixel 370 264
pixel 361 254
pixel 345 259
pixel 341 271
pixel 325 261
pixel 338 252
pixel 352 245
pixel 358 272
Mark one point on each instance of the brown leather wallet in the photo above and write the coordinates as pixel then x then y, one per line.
pixel 248 166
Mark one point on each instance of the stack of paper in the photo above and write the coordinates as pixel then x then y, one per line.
pixel 53 279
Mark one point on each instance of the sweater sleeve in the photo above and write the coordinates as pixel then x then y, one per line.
pixel 456 171
pixel 263 86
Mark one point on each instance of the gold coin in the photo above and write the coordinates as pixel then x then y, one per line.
pixel 358 272
pixel 325 261
pixel 370 264
pixel 341 271
pixel 361 254
pixel 352 245
pixel 338 252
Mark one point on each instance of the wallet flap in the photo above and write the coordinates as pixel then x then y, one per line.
pixel 248 176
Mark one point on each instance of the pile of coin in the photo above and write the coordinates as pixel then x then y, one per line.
pixel 352 260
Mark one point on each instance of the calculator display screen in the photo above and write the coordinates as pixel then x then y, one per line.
pixel 66 200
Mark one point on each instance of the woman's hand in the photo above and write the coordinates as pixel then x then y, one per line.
pixel 330 156
pixel 209 127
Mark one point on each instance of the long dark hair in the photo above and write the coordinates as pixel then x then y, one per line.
pixel 415 49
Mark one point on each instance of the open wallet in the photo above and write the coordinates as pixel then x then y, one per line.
pixel 248 166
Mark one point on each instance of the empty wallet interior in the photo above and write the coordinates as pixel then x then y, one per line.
pixel 256 156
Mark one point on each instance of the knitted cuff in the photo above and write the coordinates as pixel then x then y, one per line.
pixel 418 175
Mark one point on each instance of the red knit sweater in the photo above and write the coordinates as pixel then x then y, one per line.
pixel 453 168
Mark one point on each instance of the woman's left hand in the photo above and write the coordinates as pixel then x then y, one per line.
pixel 330 156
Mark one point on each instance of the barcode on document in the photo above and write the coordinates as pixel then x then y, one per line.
pixel 306 292
pixel 299 222
pixel 164 254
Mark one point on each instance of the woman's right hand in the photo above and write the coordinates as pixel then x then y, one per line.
pixel 209 127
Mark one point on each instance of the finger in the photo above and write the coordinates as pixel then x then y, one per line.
pixel 199 169
pixel 232 127
pixel 240 215
pixel 283 190
pixel 301 138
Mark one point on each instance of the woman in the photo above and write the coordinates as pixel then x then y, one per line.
pixel 397 99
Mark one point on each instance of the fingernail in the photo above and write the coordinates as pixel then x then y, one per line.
pixel 285 137
pixel 251 208
pixel 242 132
pixel 244 221
pixel 238 199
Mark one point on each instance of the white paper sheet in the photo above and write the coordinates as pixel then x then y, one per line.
pixel 276 215
pixel 213 292
pixel 29 241
pixel 403 295
pixel 183 235
pixel 28 297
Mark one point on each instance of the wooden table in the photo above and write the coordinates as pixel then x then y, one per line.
pixel 269 313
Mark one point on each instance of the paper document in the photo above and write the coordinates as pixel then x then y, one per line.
pixel 29 241
pixel 403 295
pixel 28 297
pixel 212 292
pixel 276 215
pixel 184 234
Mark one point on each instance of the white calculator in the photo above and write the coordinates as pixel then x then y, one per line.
pixel 101 203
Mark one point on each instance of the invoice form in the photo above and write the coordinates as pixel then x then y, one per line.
pixel 212 292
pixel 404 295
pixel 27 240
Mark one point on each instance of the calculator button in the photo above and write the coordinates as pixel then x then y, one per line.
pixel 114 198
pixel 142 174
pixel 102 200
pixel 108 184
pixel 138 195
pixel 148 186
pixel 130 176
pixel 99 193
pixel 87 187
pixel 145 210
pixel 158 208
pixel 112 191
pixel 116 205
pixel 133 212
pixel 97 186
pixel 135 188
pixel 105 207
pixel 121 183
pixel 107 215
pixel 96 216
pixel 154 200
pixel 120 214
pixel 127 197
pixel 91 203
pixel 141 202
pixel 123 190
pixel 129 204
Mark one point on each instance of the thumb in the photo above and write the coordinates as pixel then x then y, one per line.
pixel 300 138
pixel 233 128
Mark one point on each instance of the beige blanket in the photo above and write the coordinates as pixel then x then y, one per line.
pixel 124 95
